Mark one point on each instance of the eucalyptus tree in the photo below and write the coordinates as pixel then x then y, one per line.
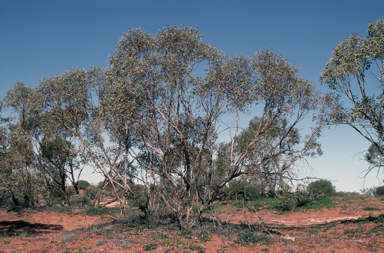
pixel 5 173
pixel 355 75
pixel 20 159
pixel 188 87
pixel 59 161
pixel 83 103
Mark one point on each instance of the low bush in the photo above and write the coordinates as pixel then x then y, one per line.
pixel 318 203
pixel 321 187
pixel 151 246
pixel 91 191
pixel 248 237
pixel 82 184
pixel 379 191
pixel 93 211
pixel 285 203
pixel 77 199
pixel 5 201
pixel 290 202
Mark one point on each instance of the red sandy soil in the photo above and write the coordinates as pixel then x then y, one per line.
pixel 296 219
pixel 322 230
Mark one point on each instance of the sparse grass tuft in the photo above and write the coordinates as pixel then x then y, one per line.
pixel 104 210
pixel 100 242
pixel 198 248
pixel 204 236
pixel 67 238
pixel 248 237
pixel 151 246
pixel 125 244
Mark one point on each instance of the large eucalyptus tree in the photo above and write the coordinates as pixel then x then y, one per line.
pixel 185 89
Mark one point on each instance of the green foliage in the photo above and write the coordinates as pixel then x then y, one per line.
pixel 82 184
pixel 322 187
pixel 286 203
pixel 247 190
pixel 369 208
pixel 77 199
pixel 186 234
pixel 57 201
pixel 249 237
pixel 318 203
pixel 379 191
pixel 91 191
pixel 151 246
pixel 290 202
pixel 204 236
pixel 160 236
pixel 356 64
pixel 93 211
pixel 198 248
pixel 6 201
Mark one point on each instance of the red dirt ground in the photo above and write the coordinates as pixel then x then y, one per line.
pixel 325 230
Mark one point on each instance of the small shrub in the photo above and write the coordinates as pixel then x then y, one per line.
pixel 248 237
pixel 160 236
pixel 290 202
pixel 379 191
pixel 238 204
pixel 125 244
pixel 5 201
pixel 322 187
pixel 67 238
pixel 91 191
pixel 100 242
pixel 285 203
pixel 151 246
pixel 203 236
pixel 318 203
pixel 197 248
pixel 82 184
pixel 77 199
pixel 67 210
pixel 57 201
pixel 186 234
pixel 104 210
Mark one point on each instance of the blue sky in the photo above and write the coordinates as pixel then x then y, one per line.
pixel 45 38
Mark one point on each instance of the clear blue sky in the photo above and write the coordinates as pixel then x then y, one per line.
pixel 44 38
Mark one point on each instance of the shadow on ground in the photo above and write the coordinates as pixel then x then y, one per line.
pixel 11 227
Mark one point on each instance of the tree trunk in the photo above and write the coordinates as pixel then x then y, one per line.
pixel 14 199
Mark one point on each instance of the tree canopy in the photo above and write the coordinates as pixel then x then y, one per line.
pixel 355 75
